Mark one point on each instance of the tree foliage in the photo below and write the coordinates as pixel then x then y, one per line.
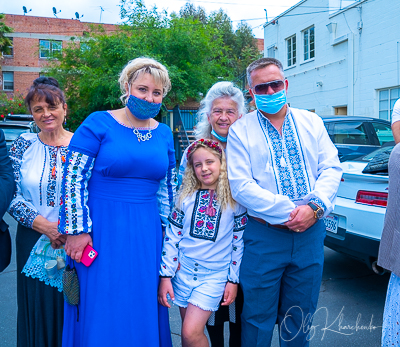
pixel 5 42
pixel 197 49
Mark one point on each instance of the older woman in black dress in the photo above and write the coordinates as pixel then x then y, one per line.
pixel 38 161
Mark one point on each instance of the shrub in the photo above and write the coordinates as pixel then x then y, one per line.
pixel 12 104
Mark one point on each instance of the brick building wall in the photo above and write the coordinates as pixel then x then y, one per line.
pixel 25 64
pixel 260 45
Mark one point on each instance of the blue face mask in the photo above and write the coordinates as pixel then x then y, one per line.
pixel 142 109
pixel 271 104
pixel 219 137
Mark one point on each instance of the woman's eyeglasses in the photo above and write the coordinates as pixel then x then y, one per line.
pixel 263 87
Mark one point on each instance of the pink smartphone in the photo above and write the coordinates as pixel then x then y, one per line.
pixel 88 255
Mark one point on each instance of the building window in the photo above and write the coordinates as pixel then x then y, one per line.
pixel 387 99
pixel 10 48
pixel 291 50
pixel 47 48
pixel 341 111
pixel 8 80
pixel 271 52
pixel 84 46
pixel 309 43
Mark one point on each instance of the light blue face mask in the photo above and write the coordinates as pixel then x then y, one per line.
pixel 219 137
pixel 271 104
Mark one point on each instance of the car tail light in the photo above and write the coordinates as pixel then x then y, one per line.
pixel 372 198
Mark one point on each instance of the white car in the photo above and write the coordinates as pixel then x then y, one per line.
pixel 355 225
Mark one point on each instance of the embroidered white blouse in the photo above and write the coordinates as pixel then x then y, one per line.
pixel 212 241
pixel 271 174
pixel 38 170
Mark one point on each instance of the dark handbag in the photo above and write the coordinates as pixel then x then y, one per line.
pixel 5 248
pixel 71 287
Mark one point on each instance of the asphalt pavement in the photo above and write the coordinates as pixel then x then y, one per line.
pixel 349 311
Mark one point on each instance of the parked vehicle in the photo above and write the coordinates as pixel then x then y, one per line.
pixel 357 136
pixel 15 125
pixel 355 225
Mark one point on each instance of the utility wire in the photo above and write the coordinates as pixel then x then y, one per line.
pixel 243 4
pixel 117 26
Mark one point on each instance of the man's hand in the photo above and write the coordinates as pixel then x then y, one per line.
pixel 165 288
pixel 301 218
pixel 230 293
pixel 76 244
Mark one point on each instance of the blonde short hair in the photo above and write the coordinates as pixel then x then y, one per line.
pixel 138 67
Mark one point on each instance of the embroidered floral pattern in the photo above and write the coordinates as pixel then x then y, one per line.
pixel 17 150
pixel 74 213
pixel 204 226
pixel 23 214
pixel 176 218
pixel 19 146
pixel 41 179
pixel 54 152
pixel 240 222
pixel 319 202
pixel 74 171
pixel 288 160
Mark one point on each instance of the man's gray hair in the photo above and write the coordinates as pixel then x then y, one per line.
pixel 260 64
pixel 218 90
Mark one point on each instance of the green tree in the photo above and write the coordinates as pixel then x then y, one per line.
pixel 245 47
pixel 240 44
pixel 191 50
pixel 194 49
pixel 5 42
pixel 190 11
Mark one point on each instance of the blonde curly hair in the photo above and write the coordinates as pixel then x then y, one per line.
pixel 191 183
pixel 137 67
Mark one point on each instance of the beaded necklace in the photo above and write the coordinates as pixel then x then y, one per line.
pixel 139 136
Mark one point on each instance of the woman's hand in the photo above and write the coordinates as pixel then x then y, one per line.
pixel 76 244
pixel 230 293
pixel 50 229
pixel 165 288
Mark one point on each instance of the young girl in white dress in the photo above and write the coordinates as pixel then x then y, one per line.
pixel 205 238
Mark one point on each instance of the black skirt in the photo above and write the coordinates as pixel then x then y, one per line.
pixel 40 306
pixel 229 313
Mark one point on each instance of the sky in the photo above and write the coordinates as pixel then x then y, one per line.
pixel 107 11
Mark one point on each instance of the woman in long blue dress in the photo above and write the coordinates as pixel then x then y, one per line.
pixel 118 187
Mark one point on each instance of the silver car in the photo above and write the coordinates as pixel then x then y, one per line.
pixel 15 125
pixel 355 225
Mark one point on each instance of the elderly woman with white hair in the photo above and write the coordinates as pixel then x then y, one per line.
pixel 222 106
pixel 117 189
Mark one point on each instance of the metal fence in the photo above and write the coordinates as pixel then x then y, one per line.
pixel 183 123
pixel 189 117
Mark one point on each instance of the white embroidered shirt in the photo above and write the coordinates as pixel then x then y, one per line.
pixel 213 241
pixel 270 174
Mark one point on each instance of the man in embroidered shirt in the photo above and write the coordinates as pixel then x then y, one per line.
pixel 284 168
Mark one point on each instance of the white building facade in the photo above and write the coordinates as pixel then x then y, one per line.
pixel 340 57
